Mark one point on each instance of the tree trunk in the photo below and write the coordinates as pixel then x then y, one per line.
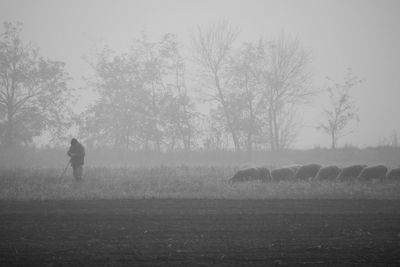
pixel 227 115
pixel 249 143
pixel 276 132
pixel 271 127
pixel 333 144
pixel 9 131
pixel 252 118
pixel 186 136
pixel 155 116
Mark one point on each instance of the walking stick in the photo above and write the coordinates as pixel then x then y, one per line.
pixel 64 171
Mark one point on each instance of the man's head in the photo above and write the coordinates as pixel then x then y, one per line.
pixel 73 141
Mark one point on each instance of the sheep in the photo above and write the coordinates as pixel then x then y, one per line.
pixel 294 167
pixel 393 174
pixel 349 172
pixel 328 173
pixel 251 174
pixel 264 174
pixel 307 171
pixel 373 172
pixel 283 174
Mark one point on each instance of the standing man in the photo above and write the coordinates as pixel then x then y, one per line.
pixel 77 154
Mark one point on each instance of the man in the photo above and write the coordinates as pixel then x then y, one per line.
pixel 77 154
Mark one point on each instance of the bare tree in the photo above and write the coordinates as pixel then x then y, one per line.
pixel 285 81
pixel 341 108
pixel 143 103
pixel 212 48
pixel 179 109
pixel 244 96
pixel 117 118
pixel 33 91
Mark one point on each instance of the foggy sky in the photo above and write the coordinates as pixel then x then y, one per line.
pixel 361 34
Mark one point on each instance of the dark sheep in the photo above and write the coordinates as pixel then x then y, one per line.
pixel 393 174
pixel 283 174
pixel 373 172
pixel 307 171
pixel 251 174
pixel 264 174
pixel 294 168
pixel 328 173
pixel 350 172
pixel 244 175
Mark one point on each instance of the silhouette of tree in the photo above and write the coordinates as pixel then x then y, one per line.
pixel 212 47
pixel 341 110
pixel 34 95
pixel 143 102
pixel 285 81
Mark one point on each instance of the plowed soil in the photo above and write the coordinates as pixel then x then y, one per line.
pixel 200 233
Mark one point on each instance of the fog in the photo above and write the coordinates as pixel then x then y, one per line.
pixel 188 132
pixel 361 35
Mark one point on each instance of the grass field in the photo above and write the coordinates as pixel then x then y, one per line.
pixel 195 182
pixel 192 216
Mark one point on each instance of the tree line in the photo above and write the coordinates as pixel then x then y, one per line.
pixel 152 97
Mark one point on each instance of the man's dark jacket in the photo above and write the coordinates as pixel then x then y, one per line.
pixel 77 154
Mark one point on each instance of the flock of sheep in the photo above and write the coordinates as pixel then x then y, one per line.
pixel 317 172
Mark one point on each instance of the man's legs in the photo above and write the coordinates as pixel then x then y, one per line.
pixel 77 171
pixel 80 172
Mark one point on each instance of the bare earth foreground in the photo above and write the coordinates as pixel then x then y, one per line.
pixel 200 232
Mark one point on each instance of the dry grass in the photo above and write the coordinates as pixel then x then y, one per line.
pixel 176 182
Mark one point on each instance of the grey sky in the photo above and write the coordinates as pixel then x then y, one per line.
pixel 362 34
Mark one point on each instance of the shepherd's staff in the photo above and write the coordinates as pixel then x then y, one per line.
pixel 64 171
